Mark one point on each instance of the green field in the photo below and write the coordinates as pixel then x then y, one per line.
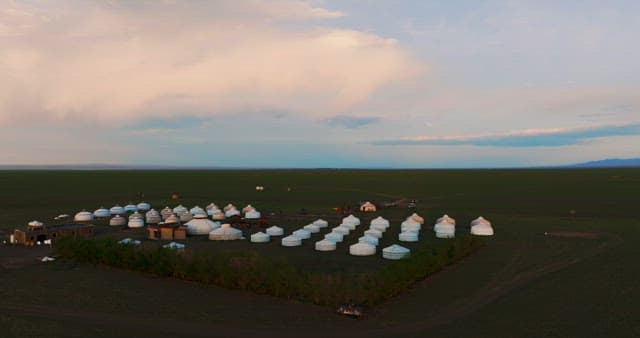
pixel 522 283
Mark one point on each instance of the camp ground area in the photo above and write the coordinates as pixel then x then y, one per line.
pixel 418 252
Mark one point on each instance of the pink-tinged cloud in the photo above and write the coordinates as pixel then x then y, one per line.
pixel 547 137
pixel 118 62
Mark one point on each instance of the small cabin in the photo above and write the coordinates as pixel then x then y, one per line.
pixel 167 231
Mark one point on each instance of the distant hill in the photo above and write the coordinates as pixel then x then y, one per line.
pixel 609 163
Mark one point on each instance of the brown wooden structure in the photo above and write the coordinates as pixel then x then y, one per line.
pixel 167 231
pixel 51 232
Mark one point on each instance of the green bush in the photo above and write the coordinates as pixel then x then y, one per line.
pixel 253 272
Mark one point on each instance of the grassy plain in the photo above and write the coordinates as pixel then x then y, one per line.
pixel 522 283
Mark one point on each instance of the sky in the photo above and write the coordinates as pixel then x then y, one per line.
pixel 335 83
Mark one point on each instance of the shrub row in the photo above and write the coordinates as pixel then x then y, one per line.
pixel 254 272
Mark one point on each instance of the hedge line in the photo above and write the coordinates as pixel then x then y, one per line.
pixel 254 272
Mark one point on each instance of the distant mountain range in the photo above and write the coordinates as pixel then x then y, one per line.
pixel 609 163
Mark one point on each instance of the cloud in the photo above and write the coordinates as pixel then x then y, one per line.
pixel 551 137
pixel 351 122
pixel 117 62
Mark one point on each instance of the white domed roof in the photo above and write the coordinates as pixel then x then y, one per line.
pixel 302 233
pixel 368 239
pixel 130 208
pixel 417 218
pixel 380 221
pixel 117 210
pixel 260 237
pixel 117 220
pixel 35 224
pixel 232 212
pixel 228 206
pixel 102 212
pixel 196 210
pixel 314 229
pixel 166 212
pixel 152 212
pixel 320 223
pixel 143 206
pixel 83 216
pixel 179 209
pixel 362 249
pixel 136 215
pixel 291 241
pixel 480 220
pixel 200 214
pixel 201 226
pixel 334 236
pixel 224 233
pixel 218 215
pixel 325 245
pixel 248 208
pixel 172 219
pixel 446 219
pixel 444 227
pixel 211 206
pixel 373 233
pixel 275 231
pixel 252 214
pixel 395 252
pixel 410 226
pixel 341 229
pixel 135 222
pixel 352 220
pixel 185 216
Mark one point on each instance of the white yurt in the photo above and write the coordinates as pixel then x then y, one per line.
pixel 275 230
pixel 252 214
pixel 341 230
pixel 83 216
pixel 373 233
pixel 395 252
pixel 302 233
pixel 291 241
pixel 260 237
pixel 362 249
pixel 130 208
pixel 166 212
pixel 136 220
pixel 153 217
pixel 349 226
pixel 201 225
pixel 172 219
pixel 35 224
pixel 117 210
pixel 445 230
pixel 218 215
pixel 481 227
pixel 196 210
pixel 379 223
pixel 179 209
pixel 225 233
pixel 334 237
pixel 417 218
pixel 231 212
pixel 368 207
pixel 200 213
pixel 143 206
pixel 325 245
pixel 228 207
pixel 408 236
pixel 211 206
pixel 446 219
pixel 352 220
pixel 410 225
pixel 314 229
pixel 248 208
pixel 102 212
pixel 185 216
pixel 320 223
pixel 369 240
pixel 117 220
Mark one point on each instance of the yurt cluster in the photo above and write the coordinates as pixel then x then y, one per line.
pixel 178 222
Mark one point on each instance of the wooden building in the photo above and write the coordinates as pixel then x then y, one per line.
pixel 41 233
pixel 167 231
